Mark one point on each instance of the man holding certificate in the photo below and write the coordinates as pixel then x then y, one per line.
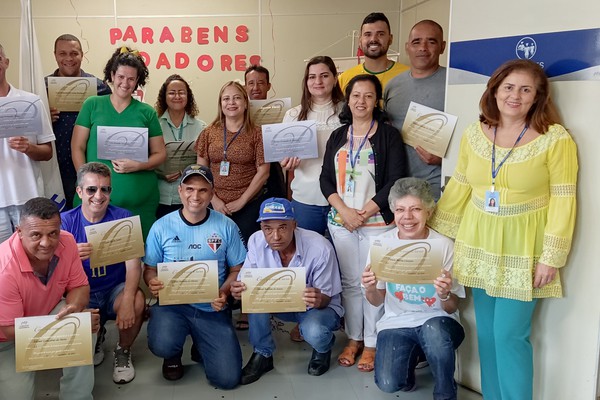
pixel 281 245
pixel 38 265
pixel 68 84
pixel 20 152
pixel 424 83
pixel 195 233
pixel 114 288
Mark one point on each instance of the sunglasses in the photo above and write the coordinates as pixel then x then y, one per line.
pixel 91 190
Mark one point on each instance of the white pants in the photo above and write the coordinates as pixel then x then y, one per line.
pixel 9 219
pixel 352 249
pixel 76 383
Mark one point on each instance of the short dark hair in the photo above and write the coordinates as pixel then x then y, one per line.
pixel 67 37
pixel 191 108
pixel 378 113
pixel 126 56
pixel 39 207
pixel 257 68
pixel 376 17
pixel 92 168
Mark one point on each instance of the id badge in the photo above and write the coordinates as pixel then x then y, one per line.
pixel 492 201
pixel 224 170
pixel 350 186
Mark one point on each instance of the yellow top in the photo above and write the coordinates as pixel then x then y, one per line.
pixel 537 184
pixel 384 76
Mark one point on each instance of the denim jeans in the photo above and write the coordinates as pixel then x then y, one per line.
pixel 313 218
pixel 212 332
pixel 397 351
pixel 316 326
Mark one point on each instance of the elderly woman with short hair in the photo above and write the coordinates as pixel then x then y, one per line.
pixel 418 318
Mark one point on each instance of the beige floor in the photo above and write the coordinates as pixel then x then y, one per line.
pixel 288 381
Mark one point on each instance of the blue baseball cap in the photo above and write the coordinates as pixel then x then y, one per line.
pixel 276 208
pixel 196 169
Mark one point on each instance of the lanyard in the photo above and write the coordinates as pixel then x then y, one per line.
pixel 353 159
pixel 494 169
pixel 180 136
pixel 225 144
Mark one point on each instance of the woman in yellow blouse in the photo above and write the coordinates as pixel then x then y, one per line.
pixel 520 156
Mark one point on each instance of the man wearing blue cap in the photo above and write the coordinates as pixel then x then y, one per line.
pixel 280 243
pixel 195 233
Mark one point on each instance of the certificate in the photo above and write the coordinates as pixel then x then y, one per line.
pixel 269 111
pixel 46 342
pixel 406 261
pixel 429 128
pixel 273 290
pixel 115 241
pixel 179 156
pixel 68 94
pixel 188 282
pixel 115 142
pixel 290 139
pixel 20 116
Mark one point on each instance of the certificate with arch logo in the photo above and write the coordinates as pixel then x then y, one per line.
pixel 47 343
pixel 273 290
pixel 188 282
pixel 69 93
pixel 115 241
pixel 406 261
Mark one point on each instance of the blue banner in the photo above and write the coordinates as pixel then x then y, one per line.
pixel 565 56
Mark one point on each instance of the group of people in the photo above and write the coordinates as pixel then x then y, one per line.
pixel 230 206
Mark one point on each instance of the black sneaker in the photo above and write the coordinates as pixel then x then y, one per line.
pixel 257 366
pixel 99 350
pixel 172 369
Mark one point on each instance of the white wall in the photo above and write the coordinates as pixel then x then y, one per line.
pixel 565 331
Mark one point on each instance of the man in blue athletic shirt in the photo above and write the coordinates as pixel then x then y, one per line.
pixel 196 233
pixel 114 289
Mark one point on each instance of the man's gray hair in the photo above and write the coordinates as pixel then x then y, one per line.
pixel 92 168
pixel 411 187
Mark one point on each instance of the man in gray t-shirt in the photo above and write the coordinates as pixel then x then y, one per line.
pixel 424 83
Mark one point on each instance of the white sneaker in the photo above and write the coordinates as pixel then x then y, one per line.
pixel 99 350
pixel 123 371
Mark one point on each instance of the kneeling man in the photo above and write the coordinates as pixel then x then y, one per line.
pixel 114 288
pixel 280 243
pixel 196 233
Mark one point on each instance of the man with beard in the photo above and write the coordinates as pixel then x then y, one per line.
pixel 375 40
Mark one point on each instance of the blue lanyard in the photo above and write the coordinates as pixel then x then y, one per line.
pixel 353 159
pixel 180 136
pixel 494 169
pixel 225 145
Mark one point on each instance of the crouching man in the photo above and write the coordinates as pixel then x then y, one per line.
pixel 280 243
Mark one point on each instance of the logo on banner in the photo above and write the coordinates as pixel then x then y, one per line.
pixel 526 48
pixel 214 242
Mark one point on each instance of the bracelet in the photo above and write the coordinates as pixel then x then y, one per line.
pixel 446 298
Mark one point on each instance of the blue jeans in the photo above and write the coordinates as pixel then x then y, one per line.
pixel 212 332
pixel 397 351
pixel 105 301
pixel 316 326
pixel 313 218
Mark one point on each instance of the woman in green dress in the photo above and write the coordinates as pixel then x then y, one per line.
pixel 135 185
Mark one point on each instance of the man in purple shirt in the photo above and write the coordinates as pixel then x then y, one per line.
pixel 280 243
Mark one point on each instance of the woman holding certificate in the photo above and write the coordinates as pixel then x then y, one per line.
pixel 519 155
pixel 177 112
pixel 322 101
pixel 362 161
pixel 419 318
pixel 232 148
pixel 134 183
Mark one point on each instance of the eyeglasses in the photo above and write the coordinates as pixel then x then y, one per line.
pixel 91 190
pixel 179 93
